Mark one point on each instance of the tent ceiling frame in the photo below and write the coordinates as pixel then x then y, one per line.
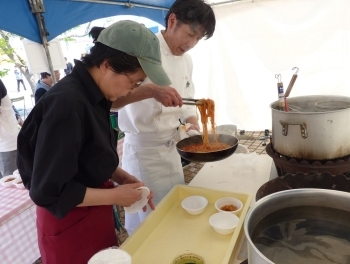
pixel 227 2
pixel 37 8
pixel 131 5
pixel 127 5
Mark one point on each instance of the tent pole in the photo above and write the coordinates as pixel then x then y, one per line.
pixel 38 9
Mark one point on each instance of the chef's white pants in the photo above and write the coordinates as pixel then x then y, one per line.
pixel 159 167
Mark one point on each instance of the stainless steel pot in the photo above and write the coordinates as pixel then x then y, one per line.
pixel 316 127
pixel 287 201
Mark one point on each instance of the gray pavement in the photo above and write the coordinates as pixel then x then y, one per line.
pixel 25 106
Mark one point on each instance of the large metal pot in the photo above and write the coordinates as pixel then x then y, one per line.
pixel 321 235
pixel 315 128
pixel 324 180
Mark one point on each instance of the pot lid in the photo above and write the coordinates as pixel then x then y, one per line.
pixel 314 104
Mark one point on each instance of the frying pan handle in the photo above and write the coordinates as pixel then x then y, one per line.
pixel 303 128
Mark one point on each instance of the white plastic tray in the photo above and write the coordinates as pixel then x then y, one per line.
pixel 170 231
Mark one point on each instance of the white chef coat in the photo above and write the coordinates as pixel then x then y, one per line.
pixel 8 126
pixel 151 117
pixel 149 151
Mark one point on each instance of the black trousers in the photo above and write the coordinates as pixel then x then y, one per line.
pixel 18 82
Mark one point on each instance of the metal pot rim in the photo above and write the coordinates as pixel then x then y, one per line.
pixel 275 196
pixel 321 98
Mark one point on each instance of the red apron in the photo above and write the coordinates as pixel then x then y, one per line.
pixel 78 236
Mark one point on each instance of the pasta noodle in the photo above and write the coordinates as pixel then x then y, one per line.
pixel 207 112
pixel 211 147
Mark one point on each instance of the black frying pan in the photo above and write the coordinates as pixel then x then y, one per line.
pixel 207 156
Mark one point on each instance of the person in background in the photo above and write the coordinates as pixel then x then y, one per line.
pixel 95 32
pixel 44 84
pixel 69 67
pixel 18 116
pixel 66 148
pixel 8 134
pixel 149 149
pixel 19 78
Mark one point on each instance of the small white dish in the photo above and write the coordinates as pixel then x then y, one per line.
pixel 241 149
pixel 7 181
pixel 111 255
pixel 194 205
pixel 18 183
pixel 227 129
pixel 138 205
pixel 229 201
pixel 16 173
pixel 224 223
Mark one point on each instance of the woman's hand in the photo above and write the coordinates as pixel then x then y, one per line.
pixel 123 178
pixel 124 195
pixel 130 179
pixel 150 202
pixel 127 194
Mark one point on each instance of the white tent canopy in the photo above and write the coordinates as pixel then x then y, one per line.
pixel 254 41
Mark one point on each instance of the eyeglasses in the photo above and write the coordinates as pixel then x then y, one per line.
pixel 135 85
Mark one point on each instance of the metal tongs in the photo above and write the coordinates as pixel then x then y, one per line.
pixel 292 81
pixel 290 86
pixel 191 101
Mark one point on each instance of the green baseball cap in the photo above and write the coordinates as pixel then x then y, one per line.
pixel 136 40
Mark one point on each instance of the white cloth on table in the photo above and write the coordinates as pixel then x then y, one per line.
pixel 8 126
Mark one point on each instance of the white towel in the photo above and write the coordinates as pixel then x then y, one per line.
pixel 185 134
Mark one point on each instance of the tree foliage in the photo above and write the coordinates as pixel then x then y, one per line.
pixel 10 55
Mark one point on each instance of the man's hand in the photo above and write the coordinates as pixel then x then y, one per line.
pixel 167 96
pixel 194 124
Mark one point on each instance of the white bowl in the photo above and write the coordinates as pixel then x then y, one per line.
pixel 194 205
pixel 229 201
pixel 4 181
pixel 18 183
pixel 16 173
pixel 138 205
pixel 227 129
pixel 241 149
pixel 111 255
pixel 224 223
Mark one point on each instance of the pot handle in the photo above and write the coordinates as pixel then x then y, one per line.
pixel 303 128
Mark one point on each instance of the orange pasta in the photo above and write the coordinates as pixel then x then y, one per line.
pixel 212 146
pixel 207 112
